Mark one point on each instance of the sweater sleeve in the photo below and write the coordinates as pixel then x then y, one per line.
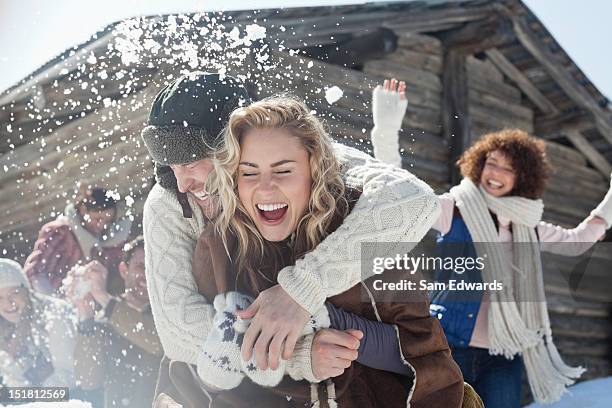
pixel 394 207
pixel 447 206
pixel 182 316
pixel 571 241
pixel 379 347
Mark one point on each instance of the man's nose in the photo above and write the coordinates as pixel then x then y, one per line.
pixel 183 181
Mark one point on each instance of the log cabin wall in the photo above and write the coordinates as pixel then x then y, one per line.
pixel 84 114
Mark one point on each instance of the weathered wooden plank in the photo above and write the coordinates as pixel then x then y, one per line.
pixel 559 302
pixel 493 31
pixel 484 68
pixel 493 120
pixel 435 20
pixel 499 89
pixel 594 157
pixel 591 192
pixel 547 127
pixel 416 77
pixel 501 107
pixel 556 151
pixel 419 60
pixel 521 81
pixel 24 89
pixel 579 174
pixel 456 122
pixel 426 44
pixel 573 89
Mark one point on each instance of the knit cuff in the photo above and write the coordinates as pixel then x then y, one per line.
pixel 386 148
pixel 299 366
pixel 305 287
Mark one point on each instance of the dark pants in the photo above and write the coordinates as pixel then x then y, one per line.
pixel 496 379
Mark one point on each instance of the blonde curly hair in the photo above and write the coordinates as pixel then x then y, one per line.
pixel 327 194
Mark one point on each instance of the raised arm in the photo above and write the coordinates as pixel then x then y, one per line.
pixel 388 108
pixel 575 241
pixel 182 316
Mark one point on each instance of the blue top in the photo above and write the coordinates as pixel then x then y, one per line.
pixel 457 310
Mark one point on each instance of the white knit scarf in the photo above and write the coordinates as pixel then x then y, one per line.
pixel 523 327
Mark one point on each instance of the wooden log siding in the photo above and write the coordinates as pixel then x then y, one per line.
pixel 521 81
pixel 593 156
pixel 455 116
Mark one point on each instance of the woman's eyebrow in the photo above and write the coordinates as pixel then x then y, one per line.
pixel 280 163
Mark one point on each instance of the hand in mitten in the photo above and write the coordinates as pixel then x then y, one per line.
pixel 388 108
pixel 219 361
pixel 604 209
pixel 270 377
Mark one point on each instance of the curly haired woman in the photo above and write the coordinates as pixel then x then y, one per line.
pixel 280 188
pixel 496 210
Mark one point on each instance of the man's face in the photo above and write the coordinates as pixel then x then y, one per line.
pixel 191 178
pixel 133 274
pixel 13 302
pixel 97 221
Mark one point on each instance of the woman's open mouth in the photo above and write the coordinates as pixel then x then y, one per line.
pixel 272 214
pixel 494 184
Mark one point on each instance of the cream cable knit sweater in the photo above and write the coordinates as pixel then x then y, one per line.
pixel 395 207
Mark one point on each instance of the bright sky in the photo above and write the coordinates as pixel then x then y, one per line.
pixel 34 31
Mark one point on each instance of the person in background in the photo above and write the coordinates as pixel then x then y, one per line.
pixel 117 349
pixel 37 334
pixel 89 229
pixel 496 210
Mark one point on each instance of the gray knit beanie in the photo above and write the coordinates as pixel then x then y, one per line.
pixel 11 275
pixel 187 118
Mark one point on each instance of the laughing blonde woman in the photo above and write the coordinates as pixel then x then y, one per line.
pixel 279 185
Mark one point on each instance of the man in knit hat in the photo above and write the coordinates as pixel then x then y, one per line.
pixel 184 127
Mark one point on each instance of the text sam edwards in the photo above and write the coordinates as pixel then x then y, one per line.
pixel 423 284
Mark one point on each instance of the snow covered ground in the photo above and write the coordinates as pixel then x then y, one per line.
pixel 588 394
pixel 67 404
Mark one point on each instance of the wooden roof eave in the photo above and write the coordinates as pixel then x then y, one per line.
pixel 70 62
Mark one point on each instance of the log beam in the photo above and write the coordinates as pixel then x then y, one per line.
pixel 456 123
pixel 593 156
pixel 562 77
pixel 514 74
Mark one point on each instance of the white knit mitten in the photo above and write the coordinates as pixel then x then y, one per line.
pixel 219 361
pixel 271 378
pixel 388 111
pixel 604 209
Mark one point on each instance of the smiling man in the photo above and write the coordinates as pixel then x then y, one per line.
pixel 186 120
